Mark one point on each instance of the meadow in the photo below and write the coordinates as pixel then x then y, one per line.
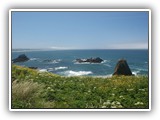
pixel 34 89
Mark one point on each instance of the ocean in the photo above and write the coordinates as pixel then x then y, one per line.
pixel 63 62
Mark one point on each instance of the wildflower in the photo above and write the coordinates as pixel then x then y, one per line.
pixel 121 96
pixel 138 103
pixel 49 88
pixel 103 107
pixel 113 94
pixel 141 89
pixel 114 106
pixel 94 88
pixel 107 103
pixel 89 90
pixel 129 89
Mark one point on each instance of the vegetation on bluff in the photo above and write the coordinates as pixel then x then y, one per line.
pixel 33 89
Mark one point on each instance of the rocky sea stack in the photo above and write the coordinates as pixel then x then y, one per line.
pixel 20 58
pixel 122 68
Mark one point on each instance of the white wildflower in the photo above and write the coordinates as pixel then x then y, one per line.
pixel 49 88
pixel 130 89
pixel 89 90
pixel 113 106
pixel 113 94
pixel 121 96
pixel 103 106
pixel 141 89
pixel 107 103
pixel 138 103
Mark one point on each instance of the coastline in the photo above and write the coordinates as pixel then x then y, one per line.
pixel 33 89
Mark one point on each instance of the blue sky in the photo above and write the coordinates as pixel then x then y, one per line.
pixel 80 30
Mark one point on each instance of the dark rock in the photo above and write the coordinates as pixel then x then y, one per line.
pixel 122 68
pixel 90 60
pixel 33 67
pixel 20 58
pixel 96 60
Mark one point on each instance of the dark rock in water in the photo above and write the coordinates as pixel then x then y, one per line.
pixel 90 60
pixel 97 60
pixel 33 67
pixel 20 58
pixel 122 68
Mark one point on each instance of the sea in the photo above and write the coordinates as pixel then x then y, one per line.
pixel 63 62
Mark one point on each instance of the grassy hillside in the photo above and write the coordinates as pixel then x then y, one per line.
pixel 32 89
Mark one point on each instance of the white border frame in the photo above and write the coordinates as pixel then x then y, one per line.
pixel 67 10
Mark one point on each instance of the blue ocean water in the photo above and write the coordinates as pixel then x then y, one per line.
pixel 62 62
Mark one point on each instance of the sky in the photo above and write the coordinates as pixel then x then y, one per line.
pixel 80 30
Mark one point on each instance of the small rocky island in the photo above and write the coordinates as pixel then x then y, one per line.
pixel 122 68
pixel 20 58
pixel 89 60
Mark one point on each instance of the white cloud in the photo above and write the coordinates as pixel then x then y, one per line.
pixel 130 46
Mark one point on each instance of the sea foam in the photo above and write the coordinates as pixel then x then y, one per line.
pixel 43 70
pixel 135 72
pixel 60 68
pixel 77 73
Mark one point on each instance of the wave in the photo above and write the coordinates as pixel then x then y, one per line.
pixel 141 69
pixel 135 72
pixel 77 73
pixel 42 70
pixel 107 65
pixel 34 59
pixel 60 68
pixel 52 61
pixel 104 61
pixel 83 63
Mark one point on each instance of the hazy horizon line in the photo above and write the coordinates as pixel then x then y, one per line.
pixel 83 49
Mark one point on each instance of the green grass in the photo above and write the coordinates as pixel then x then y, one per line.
pixel 32 89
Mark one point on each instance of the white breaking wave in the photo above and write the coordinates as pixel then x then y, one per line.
pixel 60 68
pixel 82 63
pixel 107 65
pixel 104 61
pixel 43 70
pixel 33 59
pixel 135 72
pixel 77 73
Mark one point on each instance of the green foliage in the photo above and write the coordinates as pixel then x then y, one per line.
pixel 32 89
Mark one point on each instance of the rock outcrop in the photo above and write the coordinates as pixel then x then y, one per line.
pixel 122 68
pixel 20 58
pixel 90 60
pixel 33 67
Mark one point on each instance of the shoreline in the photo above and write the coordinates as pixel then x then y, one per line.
pixel 93 76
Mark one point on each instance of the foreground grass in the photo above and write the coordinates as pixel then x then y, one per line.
pixel 32 89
